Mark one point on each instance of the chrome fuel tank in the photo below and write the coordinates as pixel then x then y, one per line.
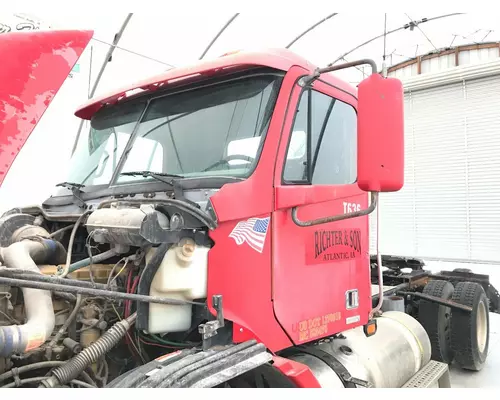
pixel 399 349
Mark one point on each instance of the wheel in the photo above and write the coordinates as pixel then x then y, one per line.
pixel 470 332
pixel 435 318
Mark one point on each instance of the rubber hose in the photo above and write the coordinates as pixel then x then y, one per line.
pixel 65 326
pixel 62 230
pixel 30 367
pixel 89 355
pixel 38 303
pixel 71 242
pixel 41 378
pixel 95 259
pixel 40 365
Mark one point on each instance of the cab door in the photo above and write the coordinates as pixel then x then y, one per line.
pixel 321 282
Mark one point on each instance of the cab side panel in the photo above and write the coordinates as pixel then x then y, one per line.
pixel 239 272
pixel 321 276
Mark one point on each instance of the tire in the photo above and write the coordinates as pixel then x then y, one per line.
pixel 435 319
pixel 470 332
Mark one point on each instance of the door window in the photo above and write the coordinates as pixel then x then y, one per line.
pixel 327 128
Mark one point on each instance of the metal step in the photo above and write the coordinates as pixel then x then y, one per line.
pixel 434 374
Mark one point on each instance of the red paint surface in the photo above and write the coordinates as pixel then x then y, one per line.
pixel 271 296
pixel 309 296
pixel 381 120
pixel 33 68
pixel 298 373
pixel 242 275
pixel 280 59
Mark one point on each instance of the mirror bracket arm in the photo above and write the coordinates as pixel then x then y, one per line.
pixel 335 218
pixel 309 79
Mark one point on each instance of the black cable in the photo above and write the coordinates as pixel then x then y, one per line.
pixel 107 59
pixel 40 379
pixel 406 26
pixel 96 292
pixel 423 33
pixel 33 276
pixel 66 324
pixel 38 365
pixel 310 29
pixel 31 367
pixel 62 230
pixel 134 53
pixel 65 271
pixel 218 35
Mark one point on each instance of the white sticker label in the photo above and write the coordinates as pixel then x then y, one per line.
pixel 352 320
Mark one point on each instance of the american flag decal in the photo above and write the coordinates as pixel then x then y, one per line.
pixel 252 231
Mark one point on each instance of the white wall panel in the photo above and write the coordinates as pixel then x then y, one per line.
pixel 483 135
pixel 449 208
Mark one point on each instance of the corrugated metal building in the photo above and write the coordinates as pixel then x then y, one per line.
pixel 448 209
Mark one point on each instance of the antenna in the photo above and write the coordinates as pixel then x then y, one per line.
pixel 384 65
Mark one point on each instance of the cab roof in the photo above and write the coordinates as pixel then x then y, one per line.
pixel 279 59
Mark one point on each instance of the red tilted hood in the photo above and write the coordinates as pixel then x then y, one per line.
pixel 34 66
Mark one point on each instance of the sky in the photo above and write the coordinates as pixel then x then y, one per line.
pixel 155 42
pixel 180 39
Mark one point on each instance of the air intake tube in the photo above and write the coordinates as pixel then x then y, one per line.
pixel 40 319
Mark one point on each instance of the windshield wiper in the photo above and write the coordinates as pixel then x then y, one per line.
pixel 156 175
pixel 76 191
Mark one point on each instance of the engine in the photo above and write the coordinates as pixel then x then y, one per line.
pixel 70 292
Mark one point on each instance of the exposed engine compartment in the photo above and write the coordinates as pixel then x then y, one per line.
pixel 107 297
pixel 70 292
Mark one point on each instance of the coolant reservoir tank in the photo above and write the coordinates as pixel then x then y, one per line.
pixel 182 275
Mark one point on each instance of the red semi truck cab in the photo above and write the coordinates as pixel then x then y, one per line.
pixel 269 167
pixel 279 150
pixel 293 150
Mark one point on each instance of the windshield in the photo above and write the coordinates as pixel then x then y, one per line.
pixel 209 131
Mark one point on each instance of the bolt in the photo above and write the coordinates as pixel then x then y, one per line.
pixel 102 325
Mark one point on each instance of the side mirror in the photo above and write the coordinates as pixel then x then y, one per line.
pixel 380 134
pixel 380 138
